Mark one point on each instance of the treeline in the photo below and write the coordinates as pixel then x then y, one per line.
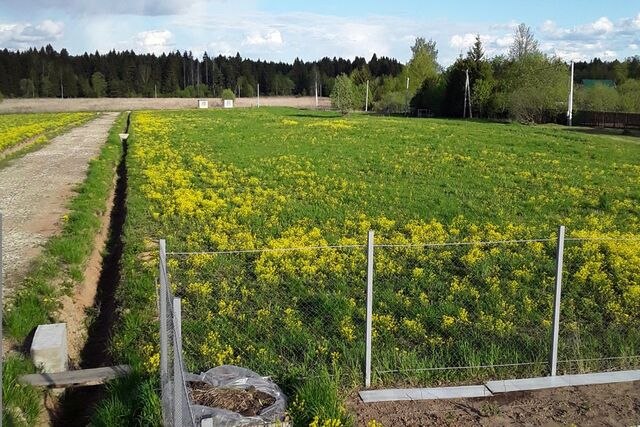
pixel 48 73
pixel 524 85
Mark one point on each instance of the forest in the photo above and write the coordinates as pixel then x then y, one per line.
pixel 524 84
pixel 48 73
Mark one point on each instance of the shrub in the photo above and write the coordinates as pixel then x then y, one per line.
pixel 343 96
pixel 228 94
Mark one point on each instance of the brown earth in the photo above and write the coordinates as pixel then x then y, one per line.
pixel 42 105
pixel 74 308
pixel 599 405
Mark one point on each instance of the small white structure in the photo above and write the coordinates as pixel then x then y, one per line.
pixel 228 103
pixel 203 104
pixel 49 350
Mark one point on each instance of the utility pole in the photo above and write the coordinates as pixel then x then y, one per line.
pixel 467 97
pixel 366 99
pixel 316 90
pixel 61 89
pixel 258 95
pixel 155 90
pixel 570 111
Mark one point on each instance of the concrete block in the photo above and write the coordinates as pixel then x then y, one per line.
pixel 392 395
pixel 49 350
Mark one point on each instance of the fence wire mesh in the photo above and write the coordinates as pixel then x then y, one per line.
pixel 462 312
pixel 600 310
pixel 442 312
pixel 285 314
pixel 176 410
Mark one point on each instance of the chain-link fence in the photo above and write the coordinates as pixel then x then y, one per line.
pixel 600 310
pixel 282 313
pixel 460 313
pixel 176 410
pixel 403 314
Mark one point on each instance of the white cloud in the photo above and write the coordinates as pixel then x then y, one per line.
pixel 462 42
pixel 602 25
pixel 21 35
pixel 100 7
pixel 155 41
pixel 273 38
pixel 602 38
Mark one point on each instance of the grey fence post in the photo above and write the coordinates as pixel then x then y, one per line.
pixel 367 362
pixel 177 366
pixel 1 320
pixel 556 302
pixel 164 342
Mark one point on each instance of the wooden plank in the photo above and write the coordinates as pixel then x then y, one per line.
pixel 85 377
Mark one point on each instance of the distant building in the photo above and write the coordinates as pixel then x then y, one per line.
pixel 592 82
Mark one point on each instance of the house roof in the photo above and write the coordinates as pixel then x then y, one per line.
pixel 593 82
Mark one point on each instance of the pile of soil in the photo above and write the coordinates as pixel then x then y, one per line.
pixel 248 403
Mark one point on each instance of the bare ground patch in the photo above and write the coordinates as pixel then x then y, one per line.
pixel 598 405
pixel 41 105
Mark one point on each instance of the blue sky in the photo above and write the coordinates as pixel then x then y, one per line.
pixel 288 29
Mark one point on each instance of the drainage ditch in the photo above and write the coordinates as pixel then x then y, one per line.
pixel 76 404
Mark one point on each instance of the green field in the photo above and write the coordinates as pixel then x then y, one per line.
pixel 283 178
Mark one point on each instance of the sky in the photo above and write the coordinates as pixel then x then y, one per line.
pixel 286 29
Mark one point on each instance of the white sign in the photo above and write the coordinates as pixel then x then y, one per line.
pixel 228 103
pixel 203 103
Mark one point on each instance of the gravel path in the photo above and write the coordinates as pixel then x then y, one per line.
pixel 35 190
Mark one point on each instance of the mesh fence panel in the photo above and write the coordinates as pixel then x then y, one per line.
pixel 175 398
pixel 600 310
pixel 452 313
pixel 461 313
pixel 285 314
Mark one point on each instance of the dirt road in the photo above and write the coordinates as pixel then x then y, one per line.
pixel 35 190
pixel 42 105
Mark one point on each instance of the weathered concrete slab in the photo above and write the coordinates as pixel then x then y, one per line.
pixel 49 350
pixel 85 377
pixel 390 395
pixel 540 383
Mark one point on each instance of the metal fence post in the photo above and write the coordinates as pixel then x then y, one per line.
pixel 164 357
pixel 177 366
pixel 556 302
pixel 367 380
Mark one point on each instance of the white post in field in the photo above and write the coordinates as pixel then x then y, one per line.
pixel 316 91
pixel 407 97
pixel 258 95
pixel 366 101
pixel 367 360
pixel 556 302
pixel 570 111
